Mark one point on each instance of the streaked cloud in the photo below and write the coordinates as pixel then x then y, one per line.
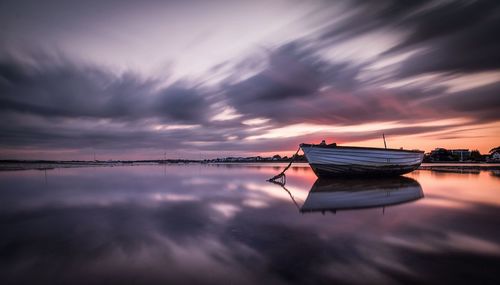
pixel 230 77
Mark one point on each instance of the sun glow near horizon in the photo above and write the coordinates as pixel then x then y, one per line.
pixel 457 137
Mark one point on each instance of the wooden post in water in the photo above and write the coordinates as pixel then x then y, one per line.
pixel 383 136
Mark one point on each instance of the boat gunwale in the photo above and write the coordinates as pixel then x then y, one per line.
pixel 359 148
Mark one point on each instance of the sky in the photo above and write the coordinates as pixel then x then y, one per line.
pixel 203 79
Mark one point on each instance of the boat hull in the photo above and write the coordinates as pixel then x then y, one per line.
pixel 336 161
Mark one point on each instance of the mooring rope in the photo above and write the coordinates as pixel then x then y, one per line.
pixel 281 176
pixel 287 191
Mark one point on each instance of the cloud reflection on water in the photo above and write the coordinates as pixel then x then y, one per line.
pixel 210 225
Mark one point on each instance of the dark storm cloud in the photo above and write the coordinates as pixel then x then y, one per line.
pixel 64 89
pixel 74 136
pixel 67 91
pixel 182 104
pixel 450 18
pixel 481 103
pixel 457 36
pixel 367 16
pixel 288 91
pixel 337 95
pixel 52 101
pixel 291 72
pixel 454 36
pixel 292 83
pixel 471 50
pixel 436 19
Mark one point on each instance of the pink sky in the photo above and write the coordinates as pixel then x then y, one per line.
pixel 197 79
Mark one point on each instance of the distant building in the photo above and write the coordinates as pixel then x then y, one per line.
pixel 440 154
pixel 461 154
pixel 495 156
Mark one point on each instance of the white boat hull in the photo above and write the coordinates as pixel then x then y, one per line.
pixel 329 161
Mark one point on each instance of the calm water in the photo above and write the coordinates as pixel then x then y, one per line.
pixel 202 224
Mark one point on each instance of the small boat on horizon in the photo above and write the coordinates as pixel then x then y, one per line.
pixel 330 160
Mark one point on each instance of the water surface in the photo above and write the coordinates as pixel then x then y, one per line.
pixel 223 224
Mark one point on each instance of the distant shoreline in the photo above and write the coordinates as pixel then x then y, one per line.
pixel 17 165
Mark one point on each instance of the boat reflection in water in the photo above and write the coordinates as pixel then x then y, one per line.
pixel 348 194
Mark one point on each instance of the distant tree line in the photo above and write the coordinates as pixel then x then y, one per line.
pixel 462 155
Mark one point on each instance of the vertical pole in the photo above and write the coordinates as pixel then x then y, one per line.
pixel 383 136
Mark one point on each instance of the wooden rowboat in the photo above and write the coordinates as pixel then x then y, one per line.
pixel 345 161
